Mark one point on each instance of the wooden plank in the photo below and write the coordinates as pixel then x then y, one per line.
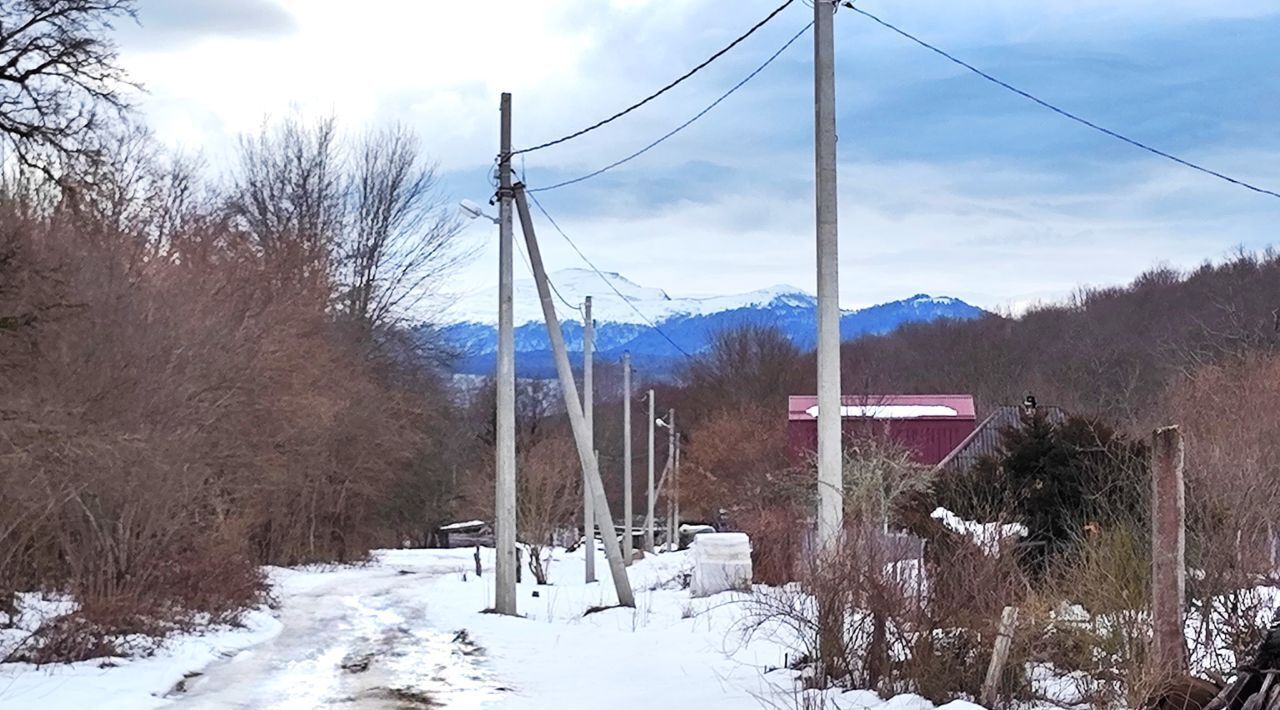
pixel 999 655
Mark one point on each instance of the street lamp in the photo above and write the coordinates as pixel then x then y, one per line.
pixel 475 211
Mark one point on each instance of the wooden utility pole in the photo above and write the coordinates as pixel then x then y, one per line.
pixel 649 515
pixel 505 565
pixel 588 407
pixel 569 389
pixel 1168 553
pixel 627 542
pixel 830 475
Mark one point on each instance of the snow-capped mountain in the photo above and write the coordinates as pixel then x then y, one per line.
pixel 574 285
pixel 470 324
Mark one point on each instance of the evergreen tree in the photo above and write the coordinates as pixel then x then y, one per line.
pixel 1056 479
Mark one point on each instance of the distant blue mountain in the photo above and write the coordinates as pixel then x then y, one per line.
pixel 690 323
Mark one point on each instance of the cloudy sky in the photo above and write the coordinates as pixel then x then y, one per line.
pixel 948 185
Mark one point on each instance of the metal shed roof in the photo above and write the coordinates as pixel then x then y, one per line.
pixel 985 439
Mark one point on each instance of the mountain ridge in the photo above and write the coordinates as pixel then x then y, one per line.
pixel 623 323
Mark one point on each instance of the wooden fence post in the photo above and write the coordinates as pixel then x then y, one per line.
pixel 1271 547
pixel 1168 553
pixel 999 655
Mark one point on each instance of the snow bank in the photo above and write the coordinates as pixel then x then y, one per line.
pixel 128 683
pixel 990 537
pixel 671 650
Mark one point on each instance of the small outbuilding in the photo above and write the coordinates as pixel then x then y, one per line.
pixel 464 534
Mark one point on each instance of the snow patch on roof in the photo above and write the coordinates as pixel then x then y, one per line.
pixel 463 526
pixel 891 411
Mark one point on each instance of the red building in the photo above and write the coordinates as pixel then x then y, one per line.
pixel 931 425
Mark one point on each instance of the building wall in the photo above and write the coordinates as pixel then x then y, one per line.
pixel 930 439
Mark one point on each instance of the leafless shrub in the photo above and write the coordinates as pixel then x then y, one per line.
pixel 1227 413
pixel 549 496
pixel 182 404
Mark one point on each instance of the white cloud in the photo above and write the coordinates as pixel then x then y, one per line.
pixel 911 227
pixel 982 230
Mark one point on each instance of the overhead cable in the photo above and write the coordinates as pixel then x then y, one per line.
pixel 1061 111
pixel 661 91
pixel 679 128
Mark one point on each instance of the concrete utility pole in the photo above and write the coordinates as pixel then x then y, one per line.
pixel 627 542
pixel 648 519
pixel 673 539
pixel 577 419
pixel 830 478
pixel 588 409
pixel 675 492
pixel 504 601
pixel 1168 553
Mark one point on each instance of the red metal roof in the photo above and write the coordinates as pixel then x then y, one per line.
pixel 935 407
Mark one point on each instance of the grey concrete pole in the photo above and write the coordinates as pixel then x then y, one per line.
pixel 505 489
pixel 830 483
pixel 627 513
pixel 648 518
pixel 569 389
pixel 588 408
pixel 1168 554
pixel 675 491
pixel 673 538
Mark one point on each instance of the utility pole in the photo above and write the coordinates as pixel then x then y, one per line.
pixel 569 389
pixel 648 518
pixel 675 491
pixel 830 479
pixel 673 543
pixel 588 407
pixel 627 542
pixel 504 601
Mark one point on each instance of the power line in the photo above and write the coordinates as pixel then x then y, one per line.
pixel 603 278
pixel 529 265
pixel 1061 111
pixel 661 91
pixel 682 126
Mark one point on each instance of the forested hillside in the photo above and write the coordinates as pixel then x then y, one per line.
pixel 1109 351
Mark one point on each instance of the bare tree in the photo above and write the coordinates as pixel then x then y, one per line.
pixel 370 219
pixel 59 78
pixel 402 235
pixel 288 190
pixel 745 364
pixel 548 481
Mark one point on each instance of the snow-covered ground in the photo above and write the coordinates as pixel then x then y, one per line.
pixel 408 628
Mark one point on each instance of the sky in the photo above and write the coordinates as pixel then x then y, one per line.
pixel 947 184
